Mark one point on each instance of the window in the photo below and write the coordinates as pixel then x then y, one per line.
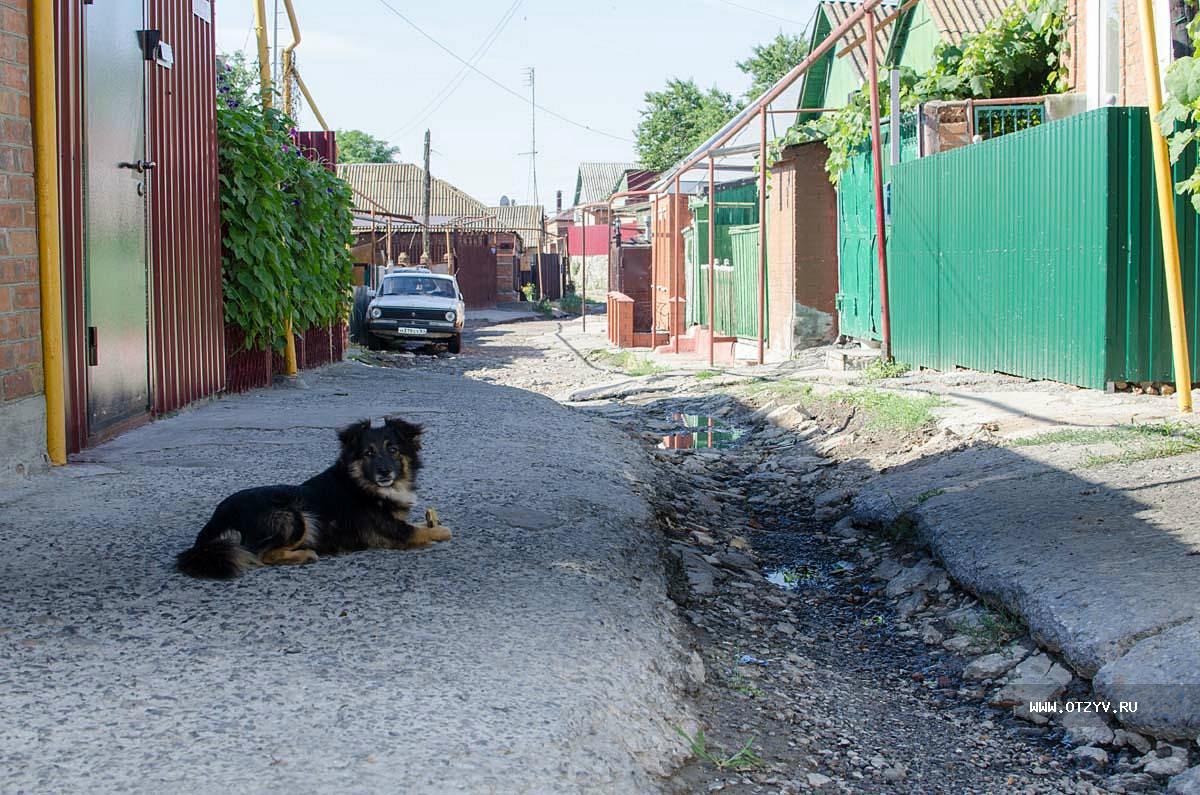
pixel 418 286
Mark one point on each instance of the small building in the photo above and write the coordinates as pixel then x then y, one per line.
pixel 486 244
pixel 590 232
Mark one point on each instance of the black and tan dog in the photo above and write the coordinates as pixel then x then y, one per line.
pixel 362 501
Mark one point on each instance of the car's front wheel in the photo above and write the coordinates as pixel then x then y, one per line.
pixel 455 344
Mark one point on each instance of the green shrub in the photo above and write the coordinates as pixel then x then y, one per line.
pixel 285 224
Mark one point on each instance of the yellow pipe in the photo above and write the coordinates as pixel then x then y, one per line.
pixel 45 123
pixel 1166 212
pixel 264 78
pixel 264 59
pixel 289 68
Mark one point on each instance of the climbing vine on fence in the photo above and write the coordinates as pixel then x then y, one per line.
pixel 285 224
pixel 1181 112
pixel 1019 53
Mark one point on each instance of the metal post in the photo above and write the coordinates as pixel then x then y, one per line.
pixel 676 260
pixel 425 197
pixel 712 261
pixel 1166 214
pixel 583 269
pixel 374 251
pixel 654 251
pixel 762 233
pixel 877 165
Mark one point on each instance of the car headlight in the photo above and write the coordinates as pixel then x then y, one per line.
pixel 450 316
pixel 376 312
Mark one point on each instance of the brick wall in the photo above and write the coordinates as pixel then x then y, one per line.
pixel 22 410
pixel 20 334
pixel 802 268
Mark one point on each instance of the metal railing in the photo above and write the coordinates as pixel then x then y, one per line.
pixel 992 121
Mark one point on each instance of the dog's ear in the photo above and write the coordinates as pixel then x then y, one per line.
pixel 350 435
pixel 404 431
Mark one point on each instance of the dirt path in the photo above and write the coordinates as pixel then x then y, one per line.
pixel 837 683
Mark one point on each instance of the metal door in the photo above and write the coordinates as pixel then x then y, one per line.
pixel 115 173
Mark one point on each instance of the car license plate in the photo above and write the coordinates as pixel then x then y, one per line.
pixel 413 331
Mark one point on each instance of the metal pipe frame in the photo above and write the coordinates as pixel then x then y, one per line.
pixel 877 164
pixel 762 234
pixel 1166 214
pixel 676 258
pixel 786 81
pixel 712 262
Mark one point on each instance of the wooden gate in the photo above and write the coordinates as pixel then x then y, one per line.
pixel 474 260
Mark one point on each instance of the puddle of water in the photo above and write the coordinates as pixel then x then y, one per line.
pixel 793 578
pixel 699 431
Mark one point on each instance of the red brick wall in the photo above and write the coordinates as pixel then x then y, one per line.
pixel 20 331
pixel 801 250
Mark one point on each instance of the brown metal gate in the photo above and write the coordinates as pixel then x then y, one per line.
pixel 631 276
pixel 474 260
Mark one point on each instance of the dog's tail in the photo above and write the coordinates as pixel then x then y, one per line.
pixel 221 558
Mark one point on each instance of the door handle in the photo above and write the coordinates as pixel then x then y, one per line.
pixel 140 166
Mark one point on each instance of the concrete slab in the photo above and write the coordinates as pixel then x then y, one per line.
pixel 536 651
pixel 1098 561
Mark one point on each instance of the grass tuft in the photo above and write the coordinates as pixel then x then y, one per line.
pixel 704 375
pixel 889 411
pixel 625 361
pixel 881 368
pixel 743 759
pixel 1138 442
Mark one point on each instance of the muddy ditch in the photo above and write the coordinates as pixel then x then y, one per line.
pixel 839 659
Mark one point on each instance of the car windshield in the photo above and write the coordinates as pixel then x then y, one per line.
pixel 418 285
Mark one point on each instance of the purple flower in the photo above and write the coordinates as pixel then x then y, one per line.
pixel 296 201
pixel 329 191
pixel 286 148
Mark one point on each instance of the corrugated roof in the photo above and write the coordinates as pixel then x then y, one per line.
pixel 957 18
pixel 398 187
pixel 839 12
pixel 522 219
pixel 519 218
pixel 597 181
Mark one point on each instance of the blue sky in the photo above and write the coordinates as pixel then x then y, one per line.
pixel 367 69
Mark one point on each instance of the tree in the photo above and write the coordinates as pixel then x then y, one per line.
pixel 769 62
pixel 677 120
pixel 356 146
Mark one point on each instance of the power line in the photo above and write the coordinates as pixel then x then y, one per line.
pixel 496 82
pixel 446 91
pixel 763 13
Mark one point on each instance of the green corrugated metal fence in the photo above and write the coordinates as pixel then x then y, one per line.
pixel 1038 254
pixel 735 241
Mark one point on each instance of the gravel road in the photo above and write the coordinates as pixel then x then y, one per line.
pixel 536 651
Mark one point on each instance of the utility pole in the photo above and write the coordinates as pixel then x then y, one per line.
pixel 425 205
pixel 530 80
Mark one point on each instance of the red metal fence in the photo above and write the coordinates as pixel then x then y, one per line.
pixel 186 326
pixel 185 225
pixel 474 259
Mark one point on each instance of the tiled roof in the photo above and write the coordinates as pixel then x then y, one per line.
pixel 839 12
pixel 398 188
pixel 597 181
pixel 957 18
